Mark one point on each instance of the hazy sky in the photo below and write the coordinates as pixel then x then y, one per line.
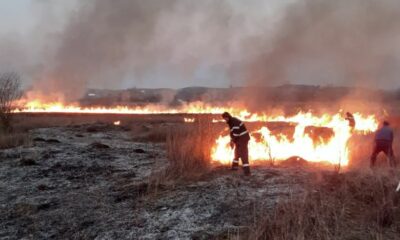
pixel 69 44
pixel 29 31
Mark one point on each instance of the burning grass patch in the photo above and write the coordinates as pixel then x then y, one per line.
pixel 342 206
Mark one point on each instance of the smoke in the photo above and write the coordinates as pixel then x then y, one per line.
pixel 342 42
pixel 108 44
pixel 102 41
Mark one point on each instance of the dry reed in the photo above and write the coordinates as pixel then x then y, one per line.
pixel 352 205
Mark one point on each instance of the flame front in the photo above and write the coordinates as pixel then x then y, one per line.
pixel 267 147
pixel 280 147
pixel 37 106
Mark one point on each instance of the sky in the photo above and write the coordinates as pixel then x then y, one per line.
pixel 15 16
pixel 70 45
pixel 29 31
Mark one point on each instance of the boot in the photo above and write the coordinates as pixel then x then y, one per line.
pixel 235 165
pixel 246 171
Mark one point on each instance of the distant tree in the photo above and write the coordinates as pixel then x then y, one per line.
pixel 9 92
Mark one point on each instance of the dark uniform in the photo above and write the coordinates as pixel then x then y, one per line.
pixel 383 143
pixel 352 121
pixel 240 137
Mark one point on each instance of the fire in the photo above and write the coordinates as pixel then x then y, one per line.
pixel 189 120
pixel 279 147
pixel 37 106
pixel 265 147
pixel 117 123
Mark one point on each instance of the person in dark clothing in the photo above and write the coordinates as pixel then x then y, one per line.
pixel 352 121
pixel 383 143
pixel 240 138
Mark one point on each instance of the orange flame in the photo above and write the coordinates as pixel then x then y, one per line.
pixel 279 147
pixel 189 120
pixel 268 147
pixel 37 106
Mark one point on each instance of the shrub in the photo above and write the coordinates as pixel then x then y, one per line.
pixel 9 92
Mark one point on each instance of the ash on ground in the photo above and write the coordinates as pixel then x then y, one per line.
pixel 90 182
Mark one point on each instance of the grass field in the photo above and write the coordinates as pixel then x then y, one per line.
pixel 355 203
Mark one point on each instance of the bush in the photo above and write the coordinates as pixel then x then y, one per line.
pixel 9 92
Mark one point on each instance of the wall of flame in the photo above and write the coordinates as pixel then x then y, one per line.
pixel 268 147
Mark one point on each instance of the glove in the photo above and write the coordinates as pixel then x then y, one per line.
pixel 232 144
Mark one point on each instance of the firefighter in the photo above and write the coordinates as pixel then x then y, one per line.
pixel 383 143
pixel 239 140
pixel 352 121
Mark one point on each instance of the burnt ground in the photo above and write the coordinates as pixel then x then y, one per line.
pixel 90 182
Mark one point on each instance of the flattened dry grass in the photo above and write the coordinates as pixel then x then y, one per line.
pixel 352 205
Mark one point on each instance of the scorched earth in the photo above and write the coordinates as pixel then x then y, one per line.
pixel 91 182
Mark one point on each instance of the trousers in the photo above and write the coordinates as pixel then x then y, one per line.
pixel 386 147
pixel 242 153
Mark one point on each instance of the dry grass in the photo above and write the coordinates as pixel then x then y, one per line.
pixel 149 133
pixel 353 205
pixel 13 140
pixel 28 121
pixel 189 148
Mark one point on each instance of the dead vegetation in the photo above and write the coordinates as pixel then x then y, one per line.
pixel 9 92
pixel 12 140
pixel 353 205
pixel 150 132
pixel 188 148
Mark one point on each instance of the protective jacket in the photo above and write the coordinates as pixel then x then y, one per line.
pixel 352 121
pixel 238 130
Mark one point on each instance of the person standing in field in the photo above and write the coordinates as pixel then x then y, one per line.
pixel 384 143
pixel 351 120
pixel 240 138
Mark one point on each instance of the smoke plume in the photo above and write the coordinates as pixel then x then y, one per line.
pixel 103 43
pixel 342 42
pixel 106 41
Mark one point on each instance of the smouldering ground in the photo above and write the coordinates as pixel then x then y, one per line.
pixel 90 182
